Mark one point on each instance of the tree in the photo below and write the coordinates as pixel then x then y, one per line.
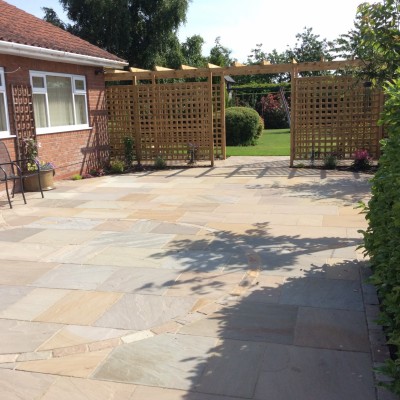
pixel 374 39
pixel 143 32
pixel 308 48
pixel 192 51
pixel 51 16
pixel 220 55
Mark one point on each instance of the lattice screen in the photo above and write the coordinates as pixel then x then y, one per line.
pixel 334 114
pixel 164 118
pixel 121 117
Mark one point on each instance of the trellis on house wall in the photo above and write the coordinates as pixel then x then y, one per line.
pixel 169 112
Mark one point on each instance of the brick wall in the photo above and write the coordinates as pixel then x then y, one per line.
pixel 72 152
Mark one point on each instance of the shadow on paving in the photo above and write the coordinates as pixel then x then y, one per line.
pixel 259 169
pixel 295 328
pixel 306 339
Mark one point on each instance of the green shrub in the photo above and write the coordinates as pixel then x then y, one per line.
pixel 382 237
pixel 330 161
pixel 117 166
pixel 160 163
pixel 128 149
pixel 76 177
pixel 242 126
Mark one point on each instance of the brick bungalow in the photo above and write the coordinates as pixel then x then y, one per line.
pixel 64 77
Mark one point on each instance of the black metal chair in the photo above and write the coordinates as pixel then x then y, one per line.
pixel 13 171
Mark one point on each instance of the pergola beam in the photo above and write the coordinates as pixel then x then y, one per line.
pixel 260 69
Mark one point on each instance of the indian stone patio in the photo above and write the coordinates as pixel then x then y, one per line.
pixel 241 281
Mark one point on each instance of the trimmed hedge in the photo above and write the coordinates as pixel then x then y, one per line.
pixel 243 126
pixel 382 237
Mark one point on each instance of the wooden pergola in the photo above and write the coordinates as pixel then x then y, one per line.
pixel 164 111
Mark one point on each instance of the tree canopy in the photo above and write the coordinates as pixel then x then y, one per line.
pixel 375 39
pixel 141 31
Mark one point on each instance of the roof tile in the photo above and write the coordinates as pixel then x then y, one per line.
pixel 17 26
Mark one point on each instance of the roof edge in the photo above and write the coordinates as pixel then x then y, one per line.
pixel 42 53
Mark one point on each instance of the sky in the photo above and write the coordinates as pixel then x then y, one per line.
pixel 241 24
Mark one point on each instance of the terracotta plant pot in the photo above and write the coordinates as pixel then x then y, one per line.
pixel 31 183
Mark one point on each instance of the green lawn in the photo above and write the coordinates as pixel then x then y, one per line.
pixel 273 142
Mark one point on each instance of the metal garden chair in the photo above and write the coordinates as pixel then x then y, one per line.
pixel 12 171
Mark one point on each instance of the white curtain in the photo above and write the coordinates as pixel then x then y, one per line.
pixel 59 92
pixel 80 109
pixel 39 109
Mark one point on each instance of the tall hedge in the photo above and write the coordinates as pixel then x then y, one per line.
pixel 382 237
pixel 243 126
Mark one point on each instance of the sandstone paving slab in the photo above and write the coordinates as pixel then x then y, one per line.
pixel 196 260
pixel 131 239
pixel 75 365
pixel 116 225
pixel 9 295
pixel 210 285
pixel 16 273
pixel 140 281
pixel 139 312
pixel 103 213
pixel 17 234
pixel 323 293
pixel 74 254
pixel 22 336
pixel 65 223
pixel 125 257
pixel 32 251
pixel 16 220
pixel 33 304
pixel 307 373
pixel 79 307
pixel 66 388
pixel 72 276
pixel 151 392
pixel 144 225
pixel 231 369
pixel 18 385
pixel 57 236
pixel 332 329
pixel 265 289
pixel 182 229
pixel 74 335
pixel 348 221
pixel 104 204
pixel 189 242
pixel 248 320
pixel 168 361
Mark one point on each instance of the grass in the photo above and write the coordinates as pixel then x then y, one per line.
pixel 273 142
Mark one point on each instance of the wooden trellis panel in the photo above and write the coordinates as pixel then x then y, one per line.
pixel 219 119
pixel 23 116
pixel 334 115
pixel 165 119
pixel 171 116
pixel 121 117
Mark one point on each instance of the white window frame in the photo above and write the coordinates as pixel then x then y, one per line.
pixel 6 133
pixel 74 78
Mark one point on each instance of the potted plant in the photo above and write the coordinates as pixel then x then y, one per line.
pixel 46 168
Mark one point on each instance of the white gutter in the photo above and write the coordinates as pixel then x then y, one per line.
pixel 23 50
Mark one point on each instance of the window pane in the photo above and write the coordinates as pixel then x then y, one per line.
pixel 80 108
pixel 39 109
pixel 3 122
pixel 38 82
pixel 79 84
pixel 59 91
